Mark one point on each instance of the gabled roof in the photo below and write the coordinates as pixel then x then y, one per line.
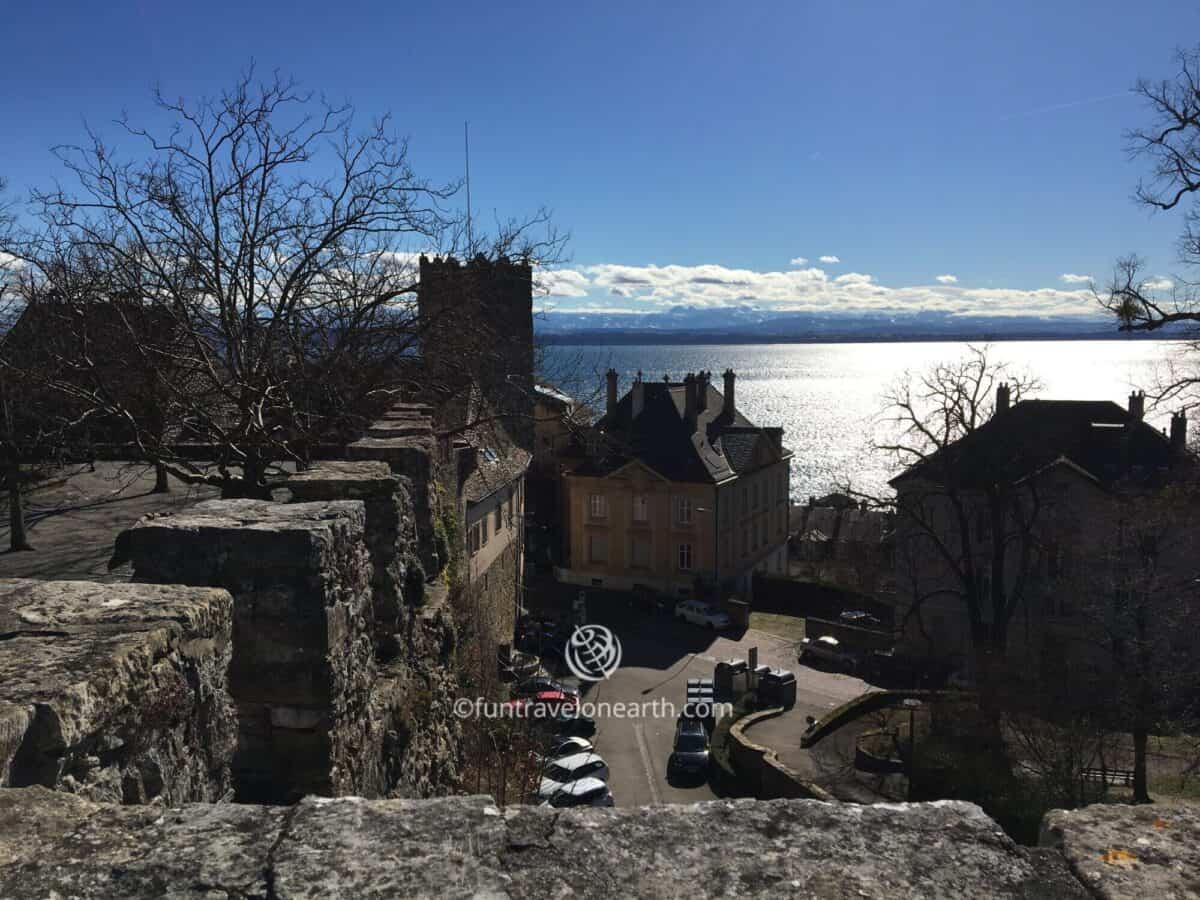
pixel 723 445
pixel 1100 438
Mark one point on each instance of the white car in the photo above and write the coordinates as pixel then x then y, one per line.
pixel 566 746
pixel 584 792
pixel 826 648
pixel 562 771
pixel 702 614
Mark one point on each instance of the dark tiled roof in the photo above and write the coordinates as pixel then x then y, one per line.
pixel 496 469
pixel 721 446
pixel 1100 437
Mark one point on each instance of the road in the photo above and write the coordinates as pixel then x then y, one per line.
pixel 659 655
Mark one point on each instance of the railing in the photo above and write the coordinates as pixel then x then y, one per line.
pixel 1108 776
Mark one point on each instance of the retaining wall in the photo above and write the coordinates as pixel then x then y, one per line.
pixel 761 771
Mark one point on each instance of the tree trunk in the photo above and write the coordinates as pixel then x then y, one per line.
pixel 18 539
pixel 162 484
pixel 252 484
pixel 1141 792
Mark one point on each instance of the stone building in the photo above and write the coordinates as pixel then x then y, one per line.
pixel 493 503
pixel 840 542
pixel 679 493
pixel 476 321
pixel 1046 489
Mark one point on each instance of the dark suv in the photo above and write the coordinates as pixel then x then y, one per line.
pixel 689 755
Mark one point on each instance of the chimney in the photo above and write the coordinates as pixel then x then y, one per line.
pixel 468 461
pixel 702 390
pixel 1179 431
pixel 1137 404
pixel 728 408
pixel 612 391
pixel 689 401
pixel 637 395
pixel 1002 397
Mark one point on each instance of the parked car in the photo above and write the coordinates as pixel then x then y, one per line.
pixel 859 618
pixel 699 613
pixel 562 771
pixel 518 666
pixel 827 649
pixel 567 723
pixel 584 792
pixel 566 746
pixel 689 753
pixel 555 700
pixel 542 683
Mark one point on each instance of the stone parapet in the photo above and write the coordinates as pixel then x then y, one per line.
pixel 389 532
pixel 303 661
pixel 400 428
pixel 55 845
pixel 1130 851
pixel 116 692
pixel 415 458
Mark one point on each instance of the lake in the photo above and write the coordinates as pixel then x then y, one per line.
pixel 828 397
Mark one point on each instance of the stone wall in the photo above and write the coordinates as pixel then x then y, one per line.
pixel 412 700
pixel 486 612
pixel 116 692
pixel 414 457
pixel 56 845
pixel 388 532
pixel 761 772
pixel 303 665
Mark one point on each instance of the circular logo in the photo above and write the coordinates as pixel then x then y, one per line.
pixel 593 652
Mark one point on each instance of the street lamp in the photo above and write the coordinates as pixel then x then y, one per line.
pixel 912 705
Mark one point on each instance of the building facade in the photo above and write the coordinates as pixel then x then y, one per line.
pixel 492 487
pixel 679 493
pixel 1028 516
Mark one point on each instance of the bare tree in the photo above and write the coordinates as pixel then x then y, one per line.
pixel 965 510
pixel 260 263
pixel 1140 593
pixel 1139 302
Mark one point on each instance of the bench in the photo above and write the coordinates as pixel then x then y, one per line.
pixel 1108 776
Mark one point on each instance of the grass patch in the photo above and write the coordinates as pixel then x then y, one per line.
pixel 789 627
pixel 1176 786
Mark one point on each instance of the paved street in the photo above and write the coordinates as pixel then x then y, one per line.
pixel 659 655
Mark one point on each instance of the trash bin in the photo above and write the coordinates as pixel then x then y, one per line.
pixel 757 675
pixel 730 679
pixel 777 687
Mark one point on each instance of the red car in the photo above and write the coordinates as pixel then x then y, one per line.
pixel 555 700
pixel 549 702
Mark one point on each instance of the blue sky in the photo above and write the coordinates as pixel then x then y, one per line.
pixel 694 150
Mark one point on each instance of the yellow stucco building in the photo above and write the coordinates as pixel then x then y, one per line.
pixel 680 493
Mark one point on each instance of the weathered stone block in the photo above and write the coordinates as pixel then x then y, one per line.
pixel 1130 851
pixel 389 530
pixel 399 428
pixel 300 576
pixel 116 692
pixel 466 847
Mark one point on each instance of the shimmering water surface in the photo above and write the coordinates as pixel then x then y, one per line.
pixel 828 397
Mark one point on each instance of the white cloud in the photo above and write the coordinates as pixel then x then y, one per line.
pixel 829 260
pixel 947 279
pixel 563 283
pixel 653 287
pixel 1160 284
pixel 799 261
pixel 1068 278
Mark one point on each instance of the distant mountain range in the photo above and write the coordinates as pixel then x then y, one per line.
pixel 748 324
